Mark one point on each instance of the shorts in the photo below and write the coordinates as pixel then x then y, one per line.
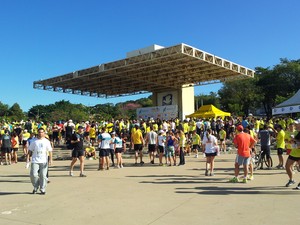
pixel 24 142
pixel 119 150
pixel 266 151
pixel 294 158
pixel 242 160
pixel 77 154
pixel 86 134
pixel 104 152
pixel 210 154
pixel 279 151
pixel 151 147
pixel 15 149
pixel 5 150
pixel 170 151
pixel 138 147
pixel 221 139
pixel 196 147
pixel 161 149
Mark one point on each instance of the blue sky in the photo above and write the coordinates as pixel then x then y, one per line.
pixel 40 39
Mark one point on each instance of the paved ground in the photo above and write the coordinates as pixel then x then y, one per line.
pixel 154 195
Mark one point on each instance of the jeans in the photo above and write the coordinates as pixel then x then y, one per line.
pixel 38 175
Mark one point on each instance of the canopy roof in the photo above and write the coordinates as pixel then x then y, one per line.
pixel 208 111
pixel 292 105
pixel 165 69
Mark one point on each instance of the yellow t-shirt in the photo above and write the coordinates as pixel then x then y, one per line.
pixel 137 137
pixel 92 132
pixel 222 134
pixel 196 139
pixel 280 139
pixel 185 127
pixel 287 138
pixel 182 140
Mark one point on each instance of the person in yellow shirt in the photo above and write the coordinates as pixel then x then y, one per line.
pixel 138 143
pixel 222 136
pixel 294 155
pixel 280 135
pixel 92 134
pixel 90 152
pixel 196 143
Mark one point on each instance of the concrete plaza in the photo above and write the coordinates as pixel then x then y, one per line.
pixel 149 194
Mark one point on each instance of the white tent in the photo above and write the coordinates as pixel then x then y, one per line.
pixel 292 105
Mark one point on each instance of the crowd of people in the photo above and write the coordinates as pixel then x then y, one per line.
pixel 168 140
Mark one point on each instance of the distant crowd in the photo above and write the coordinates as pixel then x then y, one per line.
pixel 169 140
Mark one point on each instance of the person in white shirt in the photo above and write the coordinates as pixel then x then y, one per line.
pixel 104 140
pixel 38 150
pixel 151 140
pixel 210 148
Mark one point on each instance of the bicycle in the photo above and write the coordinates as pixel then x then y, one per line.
pixel 258 160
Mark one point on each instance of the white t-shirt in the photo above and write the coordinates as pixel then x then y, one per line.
pixel 118 142
pixel 161 140
pixel 152 137
pixel 210 143
pixel 105 140
pixel 40 149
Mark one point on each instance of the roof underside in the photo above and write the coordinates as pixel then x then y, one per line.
pixel 162 70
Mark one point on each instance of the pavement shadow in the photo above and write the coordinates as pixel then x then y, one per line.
pixel 15 193
pixel 238 190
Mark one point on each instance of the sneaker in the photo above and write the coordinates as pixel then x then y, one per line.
pixel 82 175
pixel 250 177
pixel 234 180
pixel 34 191
pixel 43 192
pixel 206 173
pixel 121 166
pixel 211 174
pixel 298 187
pixel 291 182
pixel 196 156
pixel 244 180
pixel 71 174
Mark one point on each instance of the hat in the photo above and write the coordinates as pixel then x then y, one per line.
pixel 297 121
pixel 80 127
pixel 240 128
pixel 70 121
pixel 113 133
pixel 161 132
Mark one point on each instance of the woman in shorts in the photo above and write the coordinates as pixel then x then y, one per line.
pixel 210 148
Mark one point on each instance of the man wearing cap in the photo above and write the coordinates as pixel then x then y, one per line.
pixel 244 143
pixel 264 135
pixel 78 151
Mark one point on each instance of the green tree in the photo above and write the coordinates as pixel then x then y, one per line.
pixel 15 113
pixel 280 82
pixel 203 99
pixel 240 96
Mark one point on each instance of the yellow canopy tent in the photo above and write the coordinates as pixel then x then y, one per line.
pixel 208 111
